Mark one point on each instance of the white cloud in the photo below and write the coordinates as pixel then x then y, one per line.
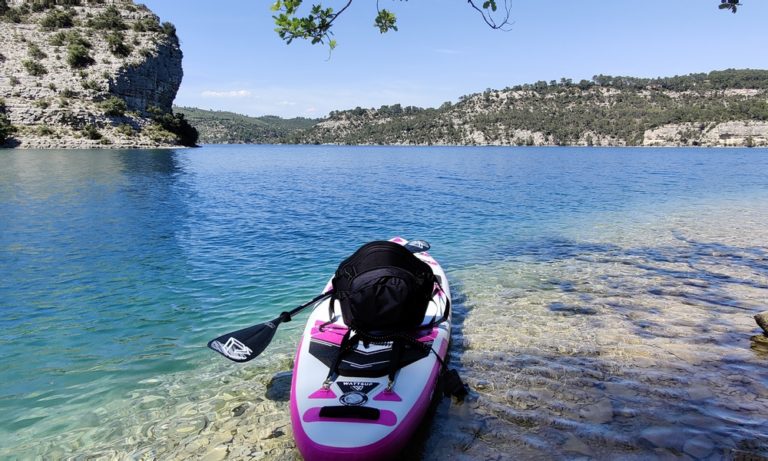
pixel 309 101
pixel 225 94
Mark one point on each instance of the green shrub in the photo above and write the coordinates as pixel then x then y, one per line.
pixel 35 52
pixel 6 129
pixel 13 15
pixel 34 68
pixel 185 134
pixel 74 38
pixel 78 56
pixel 91 132
pixel 58 39
pixel 42 103
pixel 126 130
pixel 58 19
pixel 116 44
pixel 67 93
pixel 109 19
pixel 169 29
pixel 41 5
pixel 91 85
pixel 113 107
pixel 13 80
pixel 157 133
pixel 147 24
pixel 45 130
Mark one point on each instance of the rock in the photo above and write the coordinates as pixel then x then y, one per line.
pixel 279 387
pixel 240 409
pixel 762 321
pixel 662 437
pixel 276 434
pixel 700 392
pixel 599 413
pixel 699 447
pixel 216 454
pixel 576 446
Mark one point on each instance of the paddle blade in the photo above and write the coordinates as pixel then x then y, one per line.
pixel 244 345
pixel 417 246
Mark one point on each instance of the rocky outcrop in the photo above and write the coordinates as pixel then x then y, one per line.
pixel 153 81
pixel 726 134
pixel 91 74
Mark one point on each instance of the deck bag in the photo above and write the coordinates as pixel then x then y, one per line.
pixel 383 288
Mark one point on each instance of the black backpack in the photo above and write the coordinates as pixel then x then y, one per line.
pixel 384 291
pixel 383 287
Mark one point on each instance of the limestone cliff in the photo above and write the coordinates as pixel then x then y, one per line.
pixel 88 73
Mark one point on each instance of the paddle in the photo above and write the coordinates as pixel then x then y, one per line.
pixel 243 345
pixel 417 246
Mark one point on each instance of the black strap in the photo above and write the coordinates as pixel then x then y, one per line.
pixel 347 343
pixel 450 380
pixel 394 359
pixel 331 313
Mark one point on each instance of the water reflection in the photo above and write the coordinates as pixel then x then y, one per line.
pixel 88 260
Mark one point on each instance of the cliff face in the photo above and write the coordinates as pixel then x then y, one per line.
pixel 727 134
pixel 90 74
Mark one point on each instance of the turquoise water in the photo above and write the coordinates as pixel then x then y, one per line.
pixel 116 267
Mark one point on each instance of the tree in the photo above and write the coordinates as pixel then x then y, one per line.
pixel 729 5
pixel 316 26
pixel 6 129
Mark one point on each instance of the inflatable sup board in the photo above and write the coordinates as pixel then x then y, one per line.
pixel 356 416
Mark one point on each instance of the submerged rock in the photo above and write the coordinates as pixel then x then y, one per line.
pixel 279 387
pixel 699 447
pixel 599 413
pixel 762 321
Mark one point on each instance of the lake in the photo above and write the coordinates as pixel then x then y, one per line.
pixel 603 296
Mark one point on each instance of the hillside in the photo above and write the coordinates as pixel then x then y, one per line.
pixel 721 108
pixel 220 127
pixel 88 73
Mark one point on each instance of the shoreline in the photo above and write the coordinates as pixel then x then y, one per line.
pixel 96 146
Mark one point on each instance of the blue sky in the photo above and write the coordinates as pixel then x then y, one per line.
pixel 233 59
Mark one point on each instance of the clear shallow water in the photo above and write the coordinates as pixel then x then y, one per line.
pixel 604 296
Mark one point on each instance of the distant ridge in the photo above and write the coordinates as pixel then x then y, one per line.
pixel 719 108
pixel 222 127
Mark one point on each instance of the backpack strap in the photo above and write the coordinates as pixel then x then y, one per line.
pixel 348 341
pixel 394 361
pixel 450 381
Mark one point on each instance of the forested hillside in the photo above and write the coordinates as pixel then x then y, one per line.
pixel 719 108
pixel 219 127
